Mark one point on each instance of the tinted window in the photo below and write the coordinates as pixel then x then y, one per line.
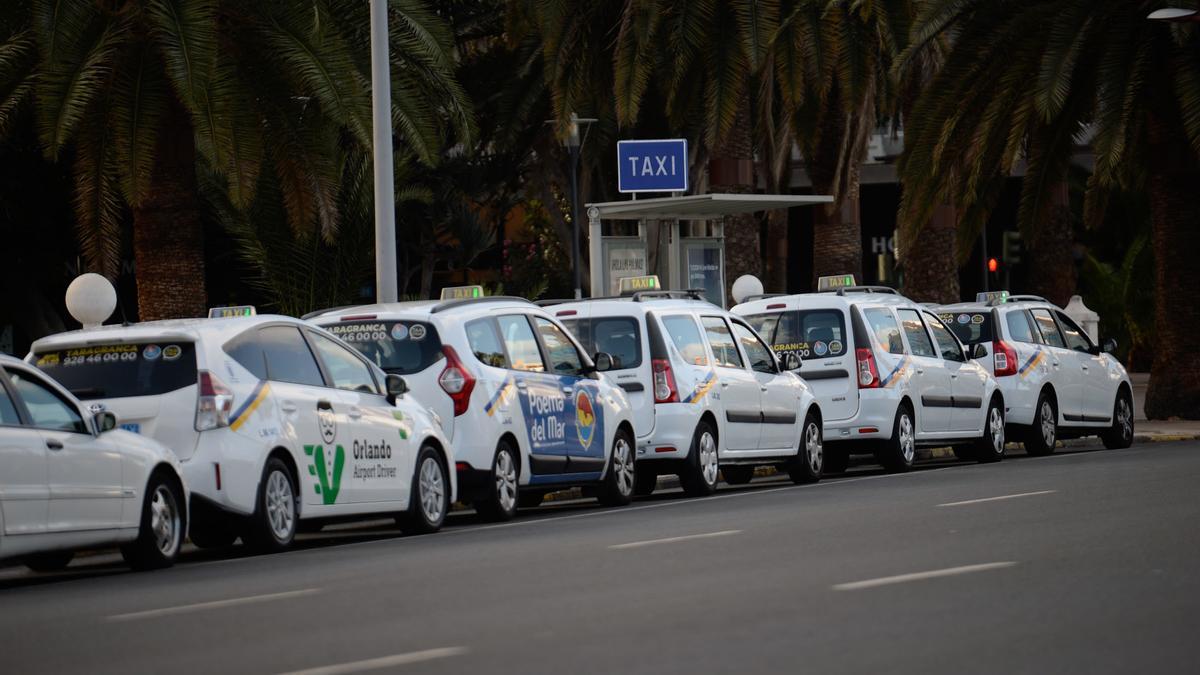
pixel 121 370
pixel 8 411
pixel 521 344
pixel 1076 338
pixel 918 339
pixel 810 334
pixel 345 369
pixel 883 325
pixel 686 337
pixel 618 336
pixel 485 343
pixel 946 344
pixel 46 408
pixel 970 327
pixel 724 350
pixel 760 356
pixel 288 356
pixel 1047 328
pixel 400 347
pixel 1019 328
pixel 564 358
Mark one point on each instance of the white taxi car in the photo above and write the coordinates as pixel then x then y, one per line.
pixel 275 421
pixel 1056 382
pixel 708 394
pixel 69 480
pixel 528 411
pixel 889 376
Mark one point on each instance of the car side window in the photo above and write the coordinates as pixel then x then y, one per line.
pixel 46 408
pixel 947 344
pixel 918 339
pixel 686 337
pixel 724 349
pixel 1076 338
pixel 288 357
pixel 345 369
pixel 8 410
pixel 485 343
pixel 883 325
pixel 761 359
pixel 521 343
pixel 1019 328
pixel 1048 329
pixel 564 358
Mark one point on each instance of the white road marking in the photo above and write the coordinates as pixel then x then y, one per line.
pixel 216 604
pixel 671 540
pixel 996 499
pixel 383 662
pixel 919 576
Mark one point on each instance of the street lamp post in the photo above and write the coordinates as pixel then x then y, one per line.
pixel 381 131
pixel 573 149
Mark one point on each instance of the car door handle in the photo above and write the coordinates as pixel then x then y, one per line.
pixel 761 387
pixel 920 371
pixel 324 405
pixel 567 390
pixel 354 413
pixel 724 384
pixel 1085 366
pixel 954 376
pixel 53 444
pixel 287 407
pixel 521 384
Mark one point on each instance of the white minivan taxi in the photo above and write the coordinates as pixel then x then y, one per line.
pixel 888 374
pixel 1057 382
pixel 276 422
pixel 528 410
pixel 708 394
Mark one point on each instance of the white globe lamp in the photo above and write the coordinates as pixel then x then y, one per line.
pixel 746 286
pixel 91 299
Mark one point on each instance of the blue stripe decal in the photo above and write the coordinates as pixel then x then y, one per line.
pixel 895 371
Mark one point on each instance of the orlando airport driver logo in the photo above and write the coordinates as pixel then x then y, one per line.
pixel 328 471
pixel 585 418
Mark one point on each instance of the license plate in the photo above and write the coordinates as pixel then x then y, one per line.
pixel 132 426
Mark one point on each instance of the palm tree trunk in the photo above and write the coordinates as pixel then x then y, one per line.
pixel 776 253
pixel 931 260
pixel 168 236
pixel 1052 251
pixel 837 227
pixel 731 169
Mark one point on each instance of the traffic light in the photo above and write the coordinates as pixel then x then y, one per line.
pixel 1010 248
pixel 993 265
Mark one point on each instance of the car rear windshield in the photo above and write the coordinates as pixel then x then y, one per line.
pixel 809 334
pixel 618 336
pixel 971 327
pixel 400 347
pixel 121 370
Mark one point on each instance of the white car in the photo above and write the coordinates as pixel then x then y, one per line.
pixel 889 376
pixel 1056 382
pixel 527 410
pixel 275 421
pixel 707 392
pixel 69 480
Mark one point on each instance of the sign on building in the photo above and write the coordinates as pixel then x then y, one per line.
pixel 652 166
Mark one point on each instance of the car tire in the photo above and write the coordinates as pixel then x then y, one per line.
pixel 531 499
pixel 809 462
pixel 836 461
pixel 277 510
pixel 500 503
pixel 162 528
pixel 617 487
pixel 737 474
pixel 1120 435
pixel 1042 435
pixel 429 500
pixel 645 480
pixel 50 561
pixel 900 451
pixel 212 534
pixel 700 468
pixel 990 447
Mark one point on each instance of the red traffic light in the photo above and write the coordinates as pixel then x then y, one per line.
pixel 993 265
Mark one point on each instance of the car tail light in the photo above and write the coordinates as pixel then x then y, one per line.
pixel 868 374
pixel 214 404
pixel 456 381
pixel 664 382
pixel 1004 358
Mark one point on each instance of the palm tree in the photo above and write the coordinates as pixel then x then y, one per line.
pixel 1028 81
pixel 144 96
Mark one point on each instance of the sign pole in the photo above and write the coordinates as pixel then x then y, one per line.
pixel 381 127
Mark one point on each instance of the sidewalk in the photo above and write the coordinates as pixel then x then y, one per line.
pixel 1156 430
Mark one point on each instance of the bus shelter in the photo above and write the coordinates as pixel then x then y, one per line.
pixel 689 230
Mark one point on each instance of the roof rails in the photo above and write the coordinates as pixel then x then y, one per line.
pixel 762 296
pixel 863 289
pixel 689 294
pixel 1028 298
pixel 319 312
pixel 451 304
pixel 548 302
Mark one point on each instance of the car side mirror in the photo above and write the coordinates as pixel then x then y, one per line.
pixel 790 361
pixel 396 387
pixel 603 361
pixel 978 351
pixel 1109 345
pixel 104 421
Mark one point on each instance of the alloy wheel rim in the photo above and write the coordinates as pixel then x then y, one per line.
pixel 996 424
pixel 623 466
pixel 433 492
pixel 1047 424
pixel 1125 416
pixel 164 521
pixel 281 506
pixel 907 444
pixel 708 458
pixel 813 445
pixel 506 481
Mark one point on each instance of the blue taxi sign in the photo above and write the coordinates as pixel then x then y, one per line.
pixel 231 312
pixel 638 284
pixel 835 281
pixel 992 296
pixel 461 292
pixel 652 165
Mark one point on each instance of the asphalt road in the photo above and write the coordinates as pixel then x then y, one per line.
pixel 1080 562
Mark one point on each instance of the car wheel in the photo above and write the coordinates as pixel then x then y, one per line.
pixel 617 489
pixel 738 474
pixel 1041 437
pixel 836 460
pixel 501 501
pixel 1121 433
pixel 990 446
pixel 699 476
pixel 531 499
pixel 52 561
pixel 430 498
pixel 900 450
pixel 645 480
pixel 160 535
pixel 808 463
pixel 273 525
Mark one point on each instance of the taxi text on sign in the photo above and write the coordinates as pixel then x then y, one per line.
pixel 652 166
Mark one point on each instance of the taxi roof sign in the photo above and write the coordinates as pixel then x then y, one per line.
pixel 231 312
pixel 992 296
pixel 636 284
pixel 462 292
pixel 835 281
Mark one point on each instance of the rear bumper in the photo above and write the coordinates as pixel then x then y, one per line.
pixel 874 421
pixel 674 427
